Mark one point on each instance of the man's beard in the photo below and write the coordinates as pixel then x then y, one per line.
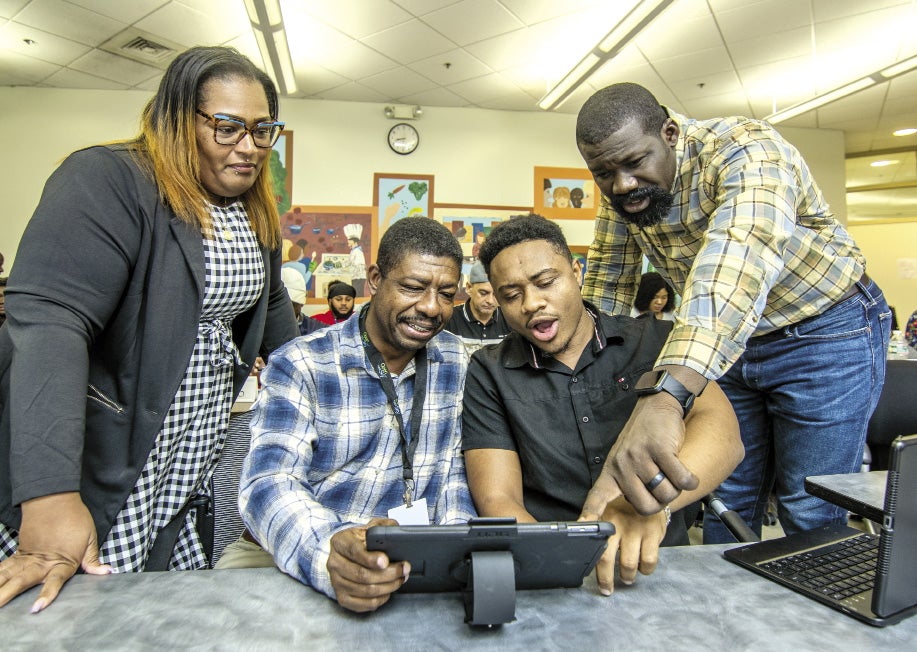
pixel 659 206
pixel 340 315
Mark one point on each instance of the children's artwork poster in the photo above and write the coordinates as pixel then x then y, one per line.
pixel 328 243
pixel 580 255
pixel 566 193
pixel 281 165
pixel 471 225
pixel 397 196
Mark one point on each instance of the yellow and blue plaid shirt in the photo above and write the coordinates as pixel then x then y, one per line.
pixel 750 244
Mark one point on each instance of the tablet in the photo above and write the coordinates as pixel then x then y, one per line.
pixel 545 555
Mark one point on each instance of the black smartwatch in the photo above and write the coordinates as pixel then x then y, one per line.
pixel 660 380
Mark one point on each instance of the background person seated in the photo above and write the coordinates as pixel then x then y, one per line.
pixel 341 296
pixel 295 286
pixel 543 408
pixel 478 322
pixel 654 297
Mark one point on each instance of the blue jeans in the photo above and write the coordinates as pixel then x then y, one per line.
pixel 803 396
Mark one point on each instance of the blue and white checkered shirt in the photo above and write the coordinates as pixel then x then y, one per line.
pixel 326 449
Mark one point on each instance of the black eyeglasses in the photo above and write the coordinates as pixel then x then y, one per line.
pixel 229 131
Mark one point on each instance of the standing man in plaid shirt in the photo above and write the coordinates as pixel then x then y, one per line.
pixel 776 305
pixel 360 422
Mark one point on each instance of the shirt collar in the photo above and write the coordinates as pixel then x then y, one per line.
pixel 469 316
pixel 681 121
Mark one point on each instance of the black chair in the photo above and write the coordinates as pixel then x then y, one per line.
pixel 895 415
pixel 224 485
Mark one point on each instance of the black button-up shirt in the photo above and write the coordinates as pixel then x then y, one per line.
pixel 562 422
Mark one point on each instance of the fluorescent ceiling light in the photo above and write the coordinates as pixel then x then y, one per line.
pixel 636 20
pixel 899 68
pixel 877 77
pixel 882 164
pixel 910 131
pixel 267 26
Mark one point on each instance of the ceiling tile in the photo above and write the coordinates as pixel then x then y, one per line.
pixel 717 106
pixel 435 97
pixel 353 92
pixel 421 7
pixel 398 82
pixel 10 77
pixel 480 89
pixel 69 21
pixel 471 21
pixel 536 11
pixel 25 68
pixel 752 19
pixel 676 31
pixel 690 64
pixel 512 49
pixel 720 83
pixel 47 47
pixel 125 12
pixel 356 18
pixel 67 78
pixel 878 41
pixel 852 108
pixel 903 87
pixel 461 66
pixel 776 46
pixel 9 8
pixel 831 9
pixel 190 26
pixel 515 102
pixel 409 42
pixel 119 69
pixel 315 79
pixel 320 44
pixel 151 84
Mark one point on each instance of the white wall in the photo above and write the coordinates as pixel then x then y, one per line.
pixel 477 156
pixel 884 245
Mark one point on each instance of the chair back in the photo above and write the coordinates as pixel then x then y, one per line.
pixel 224 485
pixel 896 413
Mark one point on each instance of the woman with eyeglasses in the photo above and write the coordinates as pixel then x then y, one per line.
pixel 122 356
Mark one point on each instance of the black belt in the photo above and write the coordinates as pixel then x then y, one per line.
pixel 855 288
pixel 780 333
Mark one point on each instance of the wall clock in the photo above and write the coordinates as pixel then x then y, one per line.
pixel 403 138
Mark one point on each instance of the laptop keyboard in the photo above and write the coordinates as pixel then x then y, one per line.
pixel 837 571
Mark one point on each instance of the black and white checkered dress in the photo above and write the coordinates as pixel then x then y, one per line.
pixel 189 444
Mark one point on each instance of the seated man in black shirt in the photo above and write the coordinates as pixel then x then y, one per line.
pixel 543 408
pixel 478 322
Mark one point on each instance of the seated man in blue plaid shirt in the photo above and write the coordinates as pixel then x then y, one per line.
pixel 328 457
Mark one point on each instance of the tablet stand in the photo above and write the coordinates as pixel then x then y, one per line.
pixel 490 594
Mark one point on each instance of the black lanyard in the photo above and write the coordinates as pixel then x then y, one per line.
pixel 408 439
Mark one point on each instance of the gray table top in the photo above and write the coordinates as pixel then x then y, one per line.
pixel 696 600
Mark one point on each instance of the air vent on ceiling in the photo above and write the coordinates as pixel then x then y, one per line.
pixel 144 47
pixel 148 49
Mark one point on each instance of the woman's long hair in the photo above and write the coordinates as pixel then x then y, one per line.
pixel 650 284
pixel 167 143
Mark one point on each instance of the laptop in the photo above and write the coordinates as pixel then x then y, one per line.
pixel 871 577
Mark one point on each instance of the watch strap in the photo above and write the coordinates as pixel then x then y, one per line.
pixel 670 385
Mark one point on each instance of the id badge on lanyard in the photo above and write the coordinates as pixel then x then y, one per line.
pixel 413 512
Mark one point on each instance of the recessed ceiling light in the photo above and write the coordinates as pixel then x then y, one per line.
pixel 882 164
pixel 905 132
